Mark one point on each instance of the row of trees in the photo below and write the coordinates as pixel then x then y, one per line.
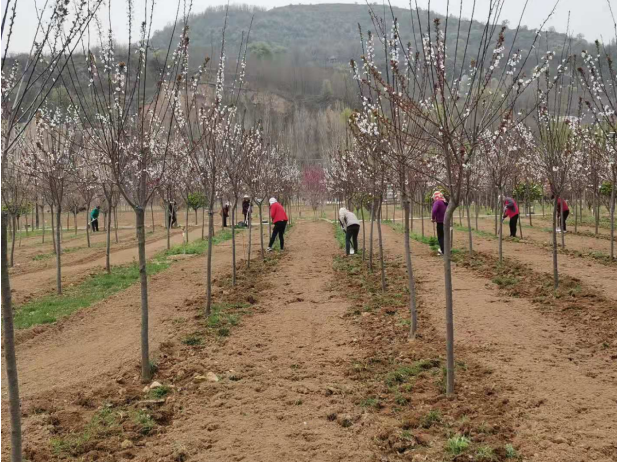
pixel 458 124
pixel 114 135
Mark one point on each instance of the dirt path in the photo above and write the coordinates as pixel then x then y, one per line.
pixel 567 397
pixel 101 339
pixel 542 235
pixel 33 259
pixel 30 285
pixel 591 273
pixel 286 357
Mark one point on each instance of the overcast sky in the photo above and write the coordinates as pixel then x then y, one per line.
pixel 591 18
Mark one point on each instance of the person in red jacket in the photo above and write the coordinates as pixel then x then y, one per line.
pixel 510 210
pixel 561 204
pixel 279 218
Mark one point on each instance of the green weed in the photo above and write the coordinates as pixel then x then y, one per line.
pixel 403 373
pixel 99 286
pixel 159 392
pixel 145 421
pixel 457 444
pixel 431 418
pixel 193 340
pixel 511 453
pixel 485 454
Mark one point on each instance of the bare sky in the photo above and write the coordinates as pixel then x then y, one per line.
pixel 591 18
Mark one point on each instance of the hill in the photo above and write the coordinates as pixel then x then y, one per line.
pixel 327 34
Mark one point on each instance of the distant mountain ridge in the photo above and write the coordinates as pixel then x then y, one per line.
pixel 327 34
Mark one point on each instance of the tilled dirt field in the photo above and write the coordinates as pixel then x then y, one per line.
pixel 305 366
pixel 565 396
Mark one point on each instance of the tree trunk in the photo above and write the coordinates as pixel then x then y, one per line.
pixel 53 229
pixel 555 268
pixel 209 258
pixel 203 222
pixel 447 263
pixel 36 207
pixel 43 223
pixel 87 224
pixel 363 230
pixel 422 215
pixel 614 186
pixel 168 225
pixel 496 217
pixel 413 312
pixel 233 242
pixel 108 237
pixel 58 251
pixel 186 224
pixel 152 214
pixel 469 230
pixel 75 222
pixel 14 226
pixel 261 231
pixel 116 222
pixel 477 213
pixel 563 222
pixel 575 216
pixel 140 225
pixel 596 199
pixel 248 221
pixel 196 218
pixel 500 230
pixel 381 257
pixel 10 360
pixel 370 244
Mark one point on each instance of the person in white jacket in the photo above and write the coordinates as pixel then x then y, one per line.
pixel 350 224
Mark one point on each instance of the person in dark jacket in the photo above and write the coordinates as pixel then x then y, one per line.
pixel 510 210
pixel 94 218
pixel 279 218
pixel 173 217
pixel 225 213
pixel 246 206
pixel 437 216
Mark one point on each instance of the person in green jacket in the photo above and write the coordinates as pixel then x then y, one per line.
pixel 94 218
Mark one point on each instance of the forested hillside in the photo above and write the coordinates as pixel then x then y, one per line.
pixel 299 57
pixel 327 34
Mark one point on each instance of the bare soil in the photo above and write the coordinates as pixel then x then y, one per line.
pixel 304 373
pixel 33 284
pixel 592 273
pixel 565 396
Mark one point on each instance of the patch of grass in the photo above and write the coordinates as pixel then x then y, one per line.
pixel 485 454
pixel 404 373
pixel 370 402
pixel 193 340
pixel 103 422
pixel 505 281
pixel 159 392
pixel 431 418
pixel 223 332
pixel 224 316
pixel 400 399
pixel 511 453
pixel 145 421
pixel 50 308
pixel 43 256
pixel 457 444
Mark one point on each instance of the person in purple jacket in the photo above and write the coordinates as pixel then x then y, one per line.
pixel 439 211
